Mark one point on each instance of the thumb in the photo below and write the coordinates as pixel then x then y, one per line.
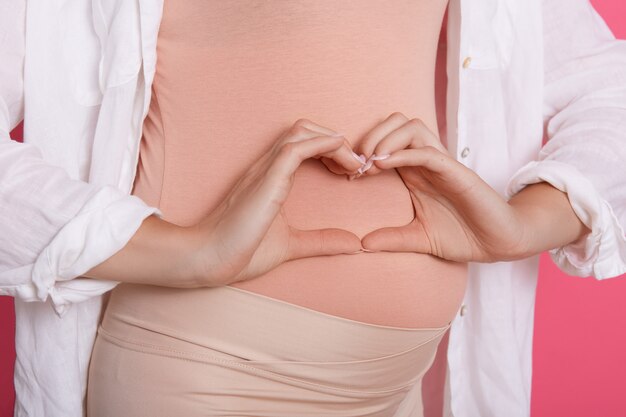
pixel 332 241
pixel 408 238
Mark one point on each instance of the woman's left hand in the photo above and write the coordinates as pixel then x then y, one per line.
pixel 458 216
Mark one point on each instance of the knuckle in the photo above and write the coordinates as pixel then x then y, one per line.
pixel 397 115
pixel 299 130
pixel 288 151
pixel 416 122
pixel 431 151
pixel 302 122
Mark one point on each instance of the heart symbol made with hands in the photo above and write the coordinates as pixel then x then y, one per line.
pixel 458 216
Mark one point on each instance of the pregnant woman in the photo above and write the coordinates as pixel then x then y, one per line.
pixel 343 335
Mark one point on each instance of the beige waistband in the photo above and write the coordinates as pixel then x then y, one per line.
pixel 282 342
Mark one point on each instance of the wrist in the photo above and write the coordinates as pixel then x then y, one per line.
pixel 188 249
pixel 547 219
pixel 204 268
pixel 158 253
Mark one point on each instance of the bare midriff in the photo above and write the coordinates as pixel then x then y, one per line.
pixel 232 76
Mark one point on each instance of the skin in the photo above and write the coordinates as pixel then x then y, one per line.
pixel 247 234
pixel 458 217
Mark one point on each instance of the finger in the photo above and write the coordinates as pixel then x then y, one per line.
pixel 266 194
pixel 453 178
pixel 412 134
pixel 314 126
pixel 292 154
pixel 301 129
pixel 304 129
pixel 426 156
pixel 342 160
pixel 408 238
pixel 297 133
pixel 255 206
pixel 333 166
pixel 332 241
pixel 345 160
pixel 367 145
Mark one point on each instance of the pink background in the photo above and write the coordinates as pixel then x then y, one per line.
pixel 580 329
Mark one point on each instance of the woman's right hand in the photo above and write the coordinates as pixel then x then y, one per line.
pixel 248 234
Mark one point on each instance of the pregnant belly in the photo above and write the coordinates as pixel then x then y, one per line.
pixel 386 288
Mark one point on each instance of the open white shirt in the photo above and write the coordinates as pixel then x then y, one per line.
pixel 79 73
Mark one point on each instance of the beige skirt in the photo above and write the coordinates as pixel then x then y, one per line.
pixel 245 354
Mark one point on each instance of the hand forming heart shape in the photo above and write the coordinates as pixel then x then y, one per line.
pixel 458 216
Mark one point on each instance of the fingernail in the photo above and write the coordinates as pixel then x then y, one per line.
pixel 379 157
pixel 353 253
pixel 358 158
pixel 367 250
pixel 354 176
pixel 365 167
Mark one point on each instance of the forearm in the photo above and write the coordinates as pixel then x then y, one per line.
pixel 159 253
pixel 547 217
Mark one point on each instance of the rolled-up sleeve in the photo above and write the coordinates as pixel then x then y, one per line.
pixel 585 124
pixel 53 228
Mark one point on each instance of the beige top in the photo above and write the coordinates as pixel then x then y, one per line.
pixel 232 75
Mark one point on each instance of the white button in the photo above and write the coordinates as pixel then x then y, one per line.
pixel 465 152
pixel 467 61
pixel 463 310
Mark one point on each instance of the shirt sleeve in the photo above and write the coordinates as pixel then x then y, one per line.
pixel 585 124
pixel 53 228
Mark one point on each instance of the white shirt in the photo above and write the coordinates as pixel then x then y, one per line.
pixel 79 73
